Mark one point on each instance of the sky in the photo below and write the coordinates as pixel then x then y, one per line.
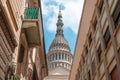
pixel 71 13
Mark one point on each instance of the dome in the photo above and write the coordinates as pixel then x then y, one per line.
pixel 59 58
pixel 59 43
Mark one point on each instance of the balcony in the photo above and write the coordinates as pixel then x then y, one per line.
pixel 31 13
pixel 32 26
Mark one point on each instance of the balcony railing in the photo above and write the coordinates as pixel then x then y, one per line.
pixel 31 13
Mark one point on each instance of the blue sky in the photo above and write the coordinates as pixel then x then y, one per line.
pixel 71 12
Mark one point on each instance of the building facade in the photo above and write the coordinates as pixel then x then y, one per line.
pixel 7 44
pixel 97 54
pixel 22 52
pixel 59 57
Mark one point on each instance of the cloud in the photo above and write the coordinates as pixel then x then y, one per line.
pixel 71 13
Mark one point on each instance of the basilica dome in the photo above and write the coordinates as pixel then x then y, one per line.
pixel 59 43
pixel 59 57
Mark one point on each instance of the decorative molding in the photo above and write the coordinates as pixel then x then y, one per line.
pixel 5 27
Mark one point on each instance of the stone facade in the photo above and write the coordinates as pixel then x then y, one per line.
pixel 7 45
pixel 22 52
pixel 97 55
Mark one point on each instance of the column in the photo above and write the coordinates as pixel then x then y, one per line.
pixel 57 56
pixel 68 58
pixel 61 55
pixel 65 57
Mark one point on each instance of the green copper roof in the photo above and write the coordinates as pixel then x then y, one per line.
pixel 31 13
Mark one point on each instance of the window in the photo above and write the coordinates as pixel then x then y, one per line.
pixel 89 76
pixel 119 50
pixel 59 56
pixel 50 57
pixel 95 24
pixel 52 65
pixel 83 59
pixel 56 56
pixel 68 58
pixel 49 66
pixel 21 54
pixel 65 56
pixel 86 50
pixel 62 64
pixel 90 39
pixel 47 59
pixel 93 67
pixel 114 74
pixel 107 37
pixel 53 57
pixel 116 14
pixel 99 53
pixel 0 78
pixel 101 6
pixel 79 74
pixel 55 64
pixel 76 77
pixel 62 56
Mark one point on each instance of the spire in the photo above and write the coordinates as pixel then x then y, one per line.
pixel 60 7
pixel 59 23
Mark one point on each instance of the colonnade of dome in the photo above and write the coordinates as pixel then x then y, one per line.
pixel 59 56
pixel 59 64
pixel 60 59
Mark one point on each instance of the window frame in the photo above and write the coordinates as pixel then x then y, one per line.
pixel 107 37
